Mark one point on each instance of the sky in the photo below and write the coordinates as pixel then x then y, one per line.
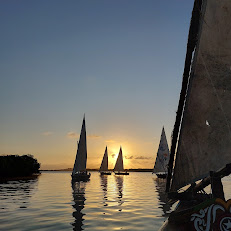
pixel 119 62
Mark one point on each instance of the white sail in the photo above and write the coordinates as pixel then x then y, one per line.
pixel 81 155
pixel 162 156
pixel 119 166
pixel 205 137
pixel 104 164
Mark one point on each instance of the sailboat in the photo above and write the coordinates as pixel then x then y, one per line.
pixel 104 165
pixel 119 166
pixel 202 130
pixel 162 157
pixel 79 172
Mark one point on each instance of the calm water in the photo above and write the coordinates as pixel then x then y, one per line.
pixel 51 202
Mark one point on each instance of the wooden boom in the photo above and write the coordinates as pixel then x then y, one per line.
pixel 194 188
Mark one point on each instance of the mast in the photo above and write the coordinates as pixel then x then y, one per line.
pixel 192 40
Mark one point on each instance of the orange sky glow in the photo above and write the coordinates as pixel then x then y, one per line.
pixel 132 156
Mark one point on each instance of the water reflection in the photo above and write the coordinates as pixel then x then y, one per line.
pixel 119 183
pixel 164 204
pixel 103 180
pixel 79 202
pixel 16 193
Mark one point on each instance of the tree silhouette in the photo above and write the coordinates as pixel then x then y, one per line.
pixel 15 165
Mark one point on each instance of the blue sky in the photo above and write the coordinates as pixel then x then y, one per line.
pixel 118 61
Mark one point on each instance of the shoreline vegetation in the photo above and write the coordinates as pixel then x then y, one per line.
pixel 96 170
pixel 15 167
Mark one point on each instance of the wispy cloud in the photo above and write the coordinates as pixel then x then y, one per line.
pixel 47 133
pixel 110 141
pixel 72 135
pixel 143 158
pixel 128 157
pixel 138 157
pixel 93 136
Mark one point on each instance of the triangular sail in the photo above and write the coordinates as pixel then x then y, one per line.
pixel 81 155
pixel 119 166
pixel 205 137
pixel 162 157
pixel 104 164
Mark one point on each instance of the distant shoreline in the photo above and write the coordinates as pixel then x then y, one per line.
pixel 96 170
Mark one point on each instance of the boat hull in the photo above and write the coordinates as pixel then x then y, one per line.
pixel 121 173
pixel 212 214
pixel 105 173
pixel 81 177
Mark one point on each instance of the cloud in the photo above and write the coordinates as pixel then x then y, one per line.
pixel 47 133
pixel 109 141
pixel 128 157
pixel 93 136
pixel 143 158
pixel 72 135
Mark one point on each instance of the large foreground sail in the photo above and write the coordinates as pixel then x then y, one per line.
pixel 162 157
pixel 205 137
pixel 204 146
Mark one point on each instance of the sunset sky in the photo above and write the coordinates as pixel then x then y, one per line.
pixel 118 61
